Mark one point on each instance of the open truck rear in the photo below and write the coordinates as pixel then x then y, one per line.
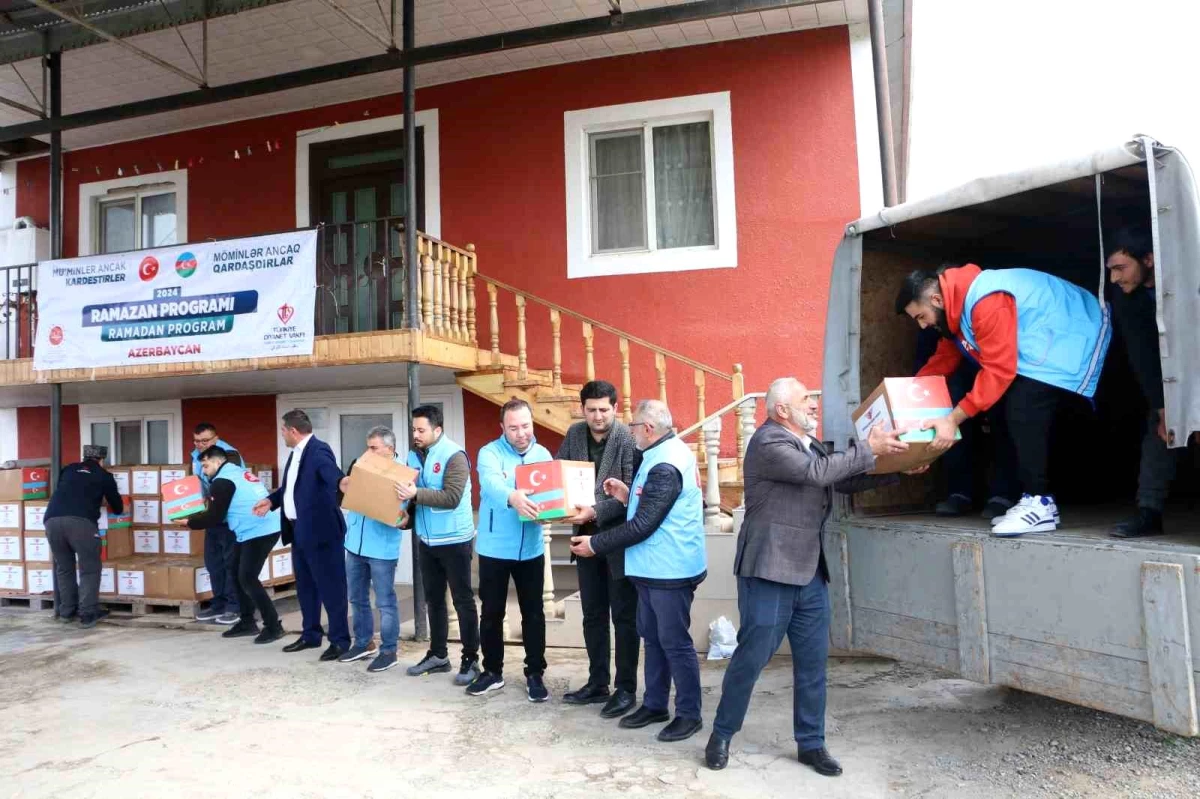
pixel 1073 614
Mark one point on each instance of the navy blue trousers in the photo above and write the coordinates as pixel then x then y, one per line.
pixel 664 620
pixel 769 611
pixel 321 580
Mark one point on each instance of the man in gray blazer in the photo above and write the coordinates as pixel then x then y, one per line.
pixel 790 480
pixel 603 588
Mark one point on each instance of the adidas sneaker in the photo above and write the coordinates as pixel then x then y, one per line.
pixel 1033 514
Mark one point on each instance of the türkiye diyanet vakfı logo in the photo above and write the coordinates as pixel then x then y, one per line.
pixel 170 314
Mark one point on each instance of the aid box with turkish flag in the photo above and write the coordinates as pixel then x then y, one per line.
pixel 372 490
pixel 182 498
pixel 35 483
pixel 558 487
pixel 904 404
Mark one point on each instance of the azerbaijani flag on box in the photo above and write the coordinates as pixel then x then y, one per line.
pixel 122 520
pixel 558 487
pixel 35 483
pixel 182 498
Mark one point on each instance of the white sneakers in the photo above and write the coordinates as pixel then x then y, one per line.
pixel 1033 514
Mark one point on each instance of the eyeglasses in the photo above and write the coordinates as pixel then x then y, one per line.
pixel 640 424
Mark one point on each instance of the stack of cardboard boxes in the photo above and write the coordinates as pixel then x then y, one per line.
pixel 148 552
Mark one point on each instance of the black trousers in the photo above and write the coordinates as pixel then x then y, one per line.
pixel 248 559
pixel 74 537
pixel 442 565
pixel 959 462
pixel 1024 424
pixel 529 576
pixel 604 597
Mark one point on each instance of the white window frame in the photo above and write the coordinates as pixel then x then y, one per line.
pixel 112 412
pixel 578 125
pixel 91 195
pixel 427 119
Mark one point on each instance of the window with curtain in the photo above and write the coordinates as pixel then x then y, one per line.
pixel 136 222
pixel 652 188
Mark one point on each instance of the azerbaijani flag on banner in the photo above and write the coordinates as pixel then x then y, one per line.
pixel 182 498
pixel 35 483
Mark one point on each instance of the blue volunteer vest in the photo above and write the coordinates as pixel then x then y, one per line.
pixel 1063 332
pixel 441 526
pixel 246 492
pixel 676 549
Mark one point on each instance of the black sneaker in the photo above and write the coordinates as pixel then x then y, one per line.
pixel 70 617
pixel 269 634
pixel 467 672
pixel 385 661
pixel 954 505
pixel 87 622
pixel 535 688
pixel 430 664
pixel 485 683
pixel 1146 522
pixel 995 508
pixel 358 652
pixel 209 615
pixel 241 630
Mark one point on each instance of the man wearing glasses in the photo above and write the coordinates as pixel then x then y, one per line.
pixel 219 540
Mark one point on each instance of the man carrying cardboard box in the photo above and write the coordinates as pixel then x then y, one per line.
pixel 445 532
pixel 372 552
pixel 71 520
pixel 511 547
pixel 1037 339
pixel 218 542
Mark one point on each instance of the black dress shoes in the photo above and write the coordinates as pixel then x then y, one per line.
pixel 643 717
pixel 587 695
pixel 332 653
pixel 821 761
pixel 680 730
pixel 716 753
pixel 300 645
pixel 619 704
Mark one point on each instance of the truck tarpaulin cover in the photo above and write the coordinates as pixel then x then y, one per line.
pixel 239 298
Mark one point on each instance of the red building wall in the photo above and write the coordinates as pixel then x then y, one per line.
pixel 33 433
pixel 246 422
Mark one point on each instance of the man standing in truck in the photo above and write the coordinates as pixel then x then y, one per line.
pixel 1037 340
pixel 1131 270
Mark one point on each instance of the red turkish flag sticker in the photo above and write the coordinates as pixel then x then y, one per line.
pixel 148 268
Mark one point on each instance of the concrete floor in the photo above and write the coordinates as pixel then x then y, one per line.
pixel 143 712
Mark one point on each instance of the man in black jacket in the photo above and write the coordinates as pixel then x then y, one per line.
pixel 605 441
pixel 72 519
pixel 1131 269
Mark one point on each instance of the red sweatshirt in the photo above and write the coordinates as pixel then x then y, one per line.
pixel 994 323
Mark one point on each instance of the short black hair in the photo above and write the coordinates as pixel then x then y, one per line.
pixel 204 427
pixel 1136 242
pixel 298 420
pixel 514 404
pixel 914 288
pixel 598 389
pixel 430 412
pixel 214 452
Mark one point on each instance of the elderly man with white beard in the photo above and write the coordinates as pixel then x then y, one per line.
pixel 780 568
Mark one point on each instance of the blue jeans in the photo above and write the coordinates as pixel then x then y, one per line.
pixel 664 620
pixel 770 610
pixel 361 574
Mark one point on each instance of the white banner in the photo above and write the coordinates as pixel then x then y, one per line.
pixel 209 301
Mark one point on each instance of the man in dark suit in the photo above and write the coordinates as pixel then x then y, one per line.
pixel 603 588
pixel 790 480
pixel 312 523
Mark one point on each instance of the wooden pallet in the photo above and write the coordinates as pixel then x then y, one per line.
pixel 27 601
pixel 175 613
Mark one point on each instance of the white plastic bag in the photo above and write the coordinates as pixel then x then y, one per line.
pixel 722 639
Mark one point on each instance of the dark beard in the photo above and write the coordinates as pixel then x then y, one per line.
pixel 941 325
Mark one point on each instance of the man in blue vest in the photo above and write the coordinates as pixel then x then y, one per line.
pixel 445 531
pixel 372 552
pixel 218 541
pixel 510 547
pixel 234 491
pixel 663 539
pixel 1037 339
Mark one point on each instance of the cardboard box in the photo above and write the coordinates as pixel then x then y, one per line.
pixel 11 490
pixel 182 541
pixel 37 548
pixel 117 544
pixel 182 498
pixel 12 516
pixel 172 472
pixel 558 487
pixel 10 547
pixel 35 483
pixel 147 541
pixel 122 474
pixel 39 578
pixel 372 487
pixel 203 584
pixel 131 580
pixel 147 511
pixel 12 578
pixel 904 404
pixel 108 580
pixel 266 475
pixel 158 579
pixel 281 565
pixel 35 515
pixel 145 482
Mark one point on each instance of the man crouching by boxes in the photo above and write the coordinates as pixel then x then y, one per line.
pixel 233 493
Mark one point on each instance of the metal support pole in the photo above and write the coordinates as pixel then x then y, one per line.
pixel 883 104
pixel 54 68
pixel 420 621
